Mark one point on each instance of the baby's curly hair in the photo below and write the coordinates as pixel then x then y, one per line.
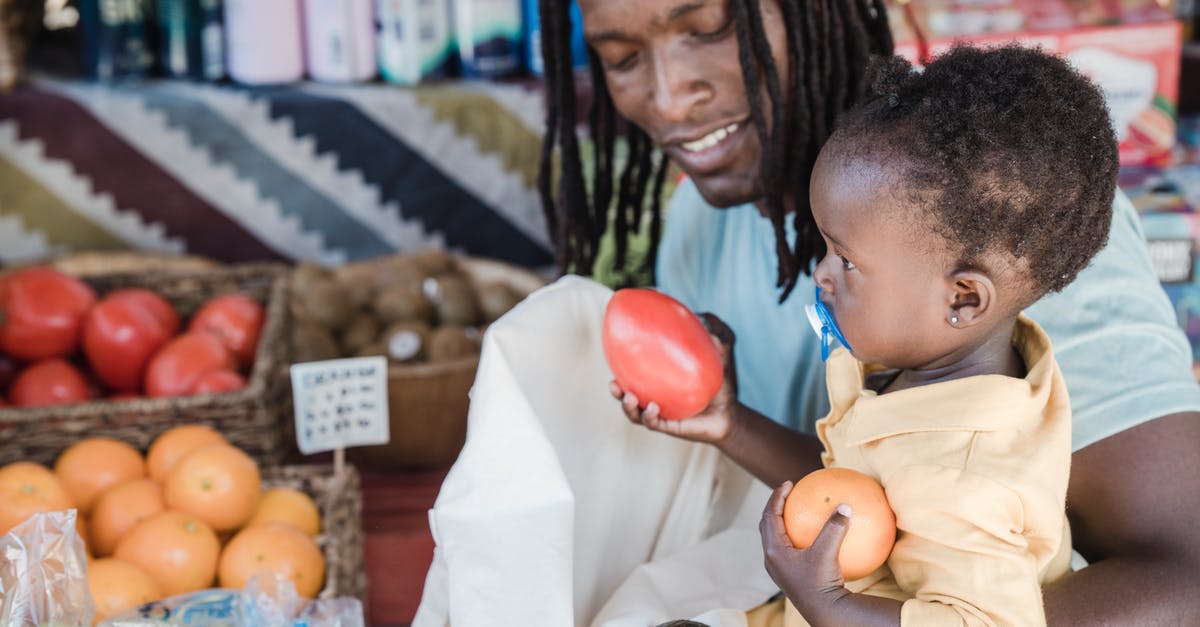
pixel 1009 150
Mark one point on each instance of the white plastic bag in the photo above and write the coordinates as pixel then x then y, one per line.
pixel 43 574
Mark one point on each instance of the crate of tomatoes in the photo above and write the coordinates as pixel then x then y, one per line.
pixel 192 512
pixel 129 355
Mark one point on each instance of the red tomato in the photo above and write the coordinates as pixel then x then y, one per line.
pixel 49 382
pixel 660 351
pixel 176 367
pixel 219 381
pixel 152 302
pixel 41 311
pixel 120 335
pixel 237 320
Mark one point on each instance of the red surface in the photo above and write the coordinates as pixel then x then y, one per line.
pixel 398 547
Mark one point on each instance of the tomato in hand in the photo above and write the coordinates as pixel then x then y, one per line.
pixel 120 335
pixel 49 382
pixel 152 302
pixel 237 320
pixel 219 381
pixel 660 351
pixel 41 312
pixel 177 366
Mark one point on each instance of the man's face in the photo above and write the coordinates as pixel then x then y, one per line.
pixel 672 68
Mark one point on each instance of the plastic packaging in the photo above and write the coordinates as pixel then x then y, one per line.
pixel 274 604
pixel 43 574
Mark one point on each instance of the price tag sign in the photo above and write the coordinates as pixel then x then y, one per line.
pixel 340 403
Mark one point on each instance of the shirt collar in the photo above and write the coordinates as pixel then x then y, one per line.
pixel 978 403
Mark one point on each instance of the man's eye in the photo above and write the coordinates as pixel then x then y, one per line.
pixel 624 63
pixel 716 34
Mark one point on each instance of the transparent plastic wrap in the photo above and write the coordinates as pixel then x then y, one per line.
pixel 275 604
pixel 43 574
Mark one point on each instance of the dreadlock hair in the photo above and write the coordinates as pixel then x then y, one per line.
pixel 829 43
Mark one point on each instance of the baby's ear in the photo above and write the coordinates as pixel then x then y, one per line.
pixel 971 298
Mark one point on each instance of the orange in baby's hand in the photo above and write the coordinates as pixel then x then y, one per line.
pixel 872 529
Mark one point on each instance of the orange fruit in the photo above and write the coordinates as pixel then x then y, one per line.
pixel 117 586
pixel 216 483
pixel 91 466
pixel 287 506
pixel 120 508
pixel 872 528
pixel 273 549
pixel 26 489
pixel 174 444
pixel 178 551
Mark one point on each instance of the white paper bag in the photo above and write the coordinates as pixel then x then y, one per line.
pixel 560 512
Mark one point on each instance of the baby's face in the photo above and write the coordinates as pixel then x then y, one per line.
pixel 886 277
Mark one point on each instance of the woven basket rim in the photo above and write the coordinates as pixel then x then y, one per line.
pixel 257 383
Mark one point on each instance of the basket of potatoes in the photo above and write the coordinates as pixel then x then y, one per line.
pixel 426 312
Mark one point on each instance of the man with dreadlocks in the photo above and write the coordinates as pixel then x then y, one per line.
pixel 741 95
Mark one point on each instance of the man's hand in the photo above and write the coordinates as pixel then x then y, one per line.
pixel 714 423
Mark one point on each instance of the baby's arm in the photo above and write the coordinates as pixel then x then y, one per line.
pixel 771 452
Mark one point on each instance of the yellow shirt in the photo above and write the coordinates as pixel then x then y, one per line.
pixel 976 472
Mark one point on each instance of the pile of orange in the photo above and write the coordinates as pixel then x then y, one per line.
pixel 189 514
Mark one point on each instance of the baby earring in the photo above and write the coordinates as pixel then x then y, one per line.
pixel 954 319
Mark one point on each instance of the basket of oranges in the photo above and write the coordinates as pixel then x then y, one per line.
pixel 194 512
pixel 131 354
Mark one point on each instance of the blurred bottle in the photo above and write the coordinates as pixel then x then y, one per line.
pixel 264 41
pixel 191 39
pixel 414 39
pixel 489 37
pixel 533 38
pixel 339 40
pixel 116 38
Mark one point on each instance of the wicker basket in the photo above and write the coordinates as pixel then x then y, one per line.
pixel 339 498
pixel 249 417
pixel 427 402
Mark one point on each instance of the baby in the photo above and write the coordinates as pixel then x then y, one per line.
pixel 949 200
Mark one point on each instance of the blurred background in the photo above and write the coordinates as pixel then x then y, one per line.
pixel 329 137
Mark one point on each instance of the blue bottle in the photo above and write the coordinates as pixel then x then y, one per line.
pixel 533 38
pixel 116 38
pixel 191 38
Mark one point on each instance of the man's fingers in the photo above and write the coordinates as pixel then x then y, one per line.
pixel 615 390
pixel 717 328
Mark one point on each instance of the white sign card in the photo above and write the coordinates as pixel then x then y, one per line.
pixel 340 403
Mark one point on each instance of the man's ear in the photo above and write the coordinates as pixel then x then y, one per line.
pixel 971 298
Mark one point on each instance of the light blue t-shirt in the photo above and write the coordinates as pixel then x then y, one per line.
pixel 1123 356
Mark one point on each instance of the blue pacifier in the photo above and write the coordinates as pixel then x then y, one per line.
pixel 824 325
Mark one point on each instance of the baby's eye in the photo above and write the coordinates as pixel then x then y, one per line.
pixel 846 263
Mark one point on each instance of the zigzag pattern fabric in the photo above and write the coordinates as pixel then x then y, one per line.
pixel 303 172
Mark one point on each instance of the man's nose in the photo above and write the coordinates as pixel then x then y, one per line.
pixel 677 87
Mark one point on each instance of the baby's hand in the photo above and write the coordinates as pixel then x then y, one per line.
pixel 713 423
pixel 811 578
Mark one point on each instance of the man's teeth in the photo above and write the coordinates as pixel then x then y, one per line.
pixel 710 140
